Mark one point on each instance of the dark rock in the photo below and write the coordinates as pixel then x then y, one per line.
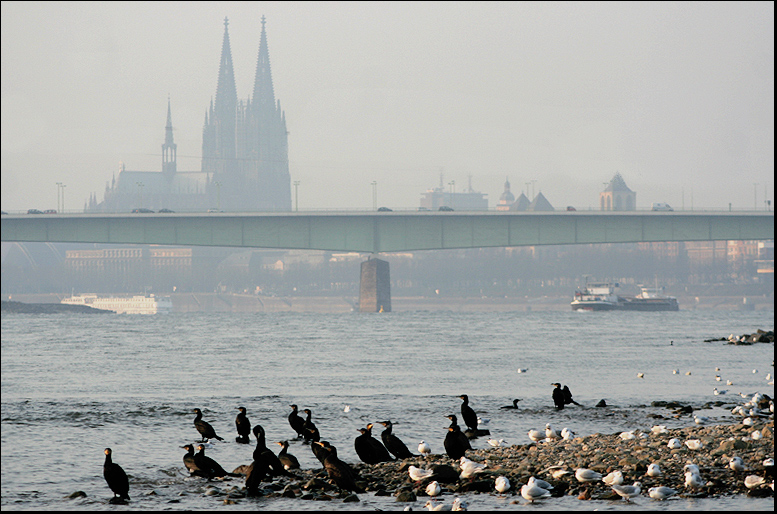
pixel 351 498
pixel 77 494
pixel 406 496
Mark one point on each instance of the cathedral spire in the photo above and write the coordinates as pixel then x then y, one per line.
pixel 264 96
pixel 169 148
pixel 226 92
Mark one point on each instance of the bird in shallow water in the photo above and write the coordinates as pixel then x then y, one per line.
pixel 502 484
pixel 209 467
pixel 437 507
pixel 204 428
pixel 661 492
pixel 496 443
pixel 288 460
pixel 296 422
pixel 468 413
pixel 424 448
pixel 188 461
pixel 513 406
pixel 243 426
pixel 456 443
pixel 393 443
pixel 458 504
pixel 558 396
pixel 116 478
pixel 265 458
pixel 339 472
pixel 310 430
pixel 369 449
pixel 534 492
pixel 628 491
pixel 320 450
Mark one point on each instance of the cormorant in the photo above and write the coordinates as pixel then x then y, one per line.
pixel 297 422
pixel 468 414
pixel 339 472
pixel 393 443
pixel 243 426
pixel 288 460
pixel 558 396
pixel 310 432
pixel 369 449
pixel 320 450
pixel 204 428
pixel 188 461
pixel 116 478
pixel 513 406
pixel 265 457
pixel 568 396
pixel 210 467
pixel 456 443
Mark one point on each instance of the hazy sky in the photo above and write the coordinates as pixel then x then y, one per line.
pixel 677 97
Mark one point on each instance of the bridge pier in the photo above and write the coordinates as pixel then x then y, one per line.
pixel 375 286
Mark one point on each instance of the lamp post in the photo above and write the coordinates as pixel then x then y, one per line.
pixel 374 195
pixel 59 188
pixel 140 193
pixel 63 186
pixel 296 198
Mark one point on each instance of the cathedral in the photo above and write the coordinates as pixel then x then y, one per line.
pixel 245 155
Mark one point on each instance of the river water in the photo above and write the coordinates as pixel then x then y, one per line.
pixel 73 385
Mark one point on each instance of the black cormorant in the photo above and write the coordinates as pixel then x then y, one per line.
pixel 558 396
pixel 116 478
pixel 320 450
pixel 568 396
pixel 208 466
pixel 339 472
pixel 297 422
pixel 468 414
pixel 456 443
pixel 513 406
pixel 393 443
pixel 288 460
pixel 243 426
pixel 369 449
pixel 265 457
pixel 204 428
pixel 188 461
pixel 310 432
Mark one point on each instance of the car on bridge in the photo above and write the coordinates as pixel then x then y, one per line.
pixel 34 211
pixel 142 210
pixel 661 206
pixel 445 208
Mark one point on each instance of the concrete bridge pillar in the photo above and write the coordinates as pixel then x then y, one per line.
pixel 375 286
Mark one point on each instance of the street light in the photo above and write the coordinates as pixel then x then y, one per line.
pixel 296 198
pixel 374 195
pixel 59 188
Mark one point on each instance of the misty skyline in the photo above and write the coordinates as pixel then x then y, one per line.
pixel 676 97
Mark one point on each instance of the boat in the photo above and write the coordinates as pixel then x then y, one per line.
pixel 138 304
pixel 601 296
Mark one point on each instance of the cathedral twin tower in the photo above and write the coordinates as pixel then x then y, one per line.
pixel 245 152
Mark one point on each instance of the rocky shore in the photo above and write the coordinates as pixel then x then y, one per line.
pixel 545 460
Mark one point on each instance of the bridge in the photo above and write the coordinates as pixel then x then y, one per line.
pixel 386 232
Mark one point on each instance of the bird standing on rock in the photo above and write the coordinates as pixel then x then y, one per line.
pixel 393 443
pixel 310 431
pixel 288 460
pixel 243 426
pixel 204 428
pixel 456 443
pixel 424 448
pixel 339 472
pixel 502 484
pixel 369 449
pixel 116 478
pixel 468 414
pixel 628 491
pixel 296 422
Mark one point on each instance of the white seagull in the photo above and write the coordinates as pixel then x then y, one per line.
pixel 694 444
pixel 550 433
pixel 470 467
pixel 674 444
pixel 459 504
pixel 424 448
pixel 716 392
pixel 433 489
pixel 659 429
pixel 558 472
pixel 753 481
pixel 419 474
pixel 653 470
pixel 693 480
pixel 587 475
pixel 438 507
pixel 567 434
pixel 496 443
pixel 640 375
pixel 628 491
pixel 502 484
pixel 736 464
pixel 540 483
pixel 700 420
pixel 628 435
pixel 614 478
pixel 536 435
pixel 347 408
pixel 693 468
pixel 661 492
pixel 534 492
pixel 523 370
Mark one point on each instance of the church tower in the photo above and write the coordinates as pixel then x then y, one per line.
pixel 169 148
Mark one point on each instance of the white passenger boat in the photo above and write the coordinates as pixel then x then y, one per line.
pixel 602 297
pixel 139 304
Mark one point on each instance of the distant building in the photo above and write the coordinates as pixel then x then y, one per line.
pixel 617 196
pixel 469 200
pixel 506 199
pixel 521 204
pixel 245 157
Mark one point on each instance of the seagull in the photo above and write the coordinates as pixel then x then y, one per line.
pixel 502 484
pixel 419 474
pixel 587 475
pixel 736 464
pixel 536 435
pixel 659 429
pixel 551 433
pixel 567 434
pixel 700 420
pixel 755 371
pixel 687 372
pixel 558 472
pixel 470 467
pixel 693 480
pixel 674 444
pixel 675 372
pixel 693 468
pixel 640 375
pixel 523 370
pixel 748 421
pixel 717 368
pixel 729 383
pixel 661 492
pixel 755 435
pixel 459 504
pixel 441 507
pixel 534 492
pixel 694 444
pixel 347 408
pixel 495 442
pixel 433 489
pixel 424 448
pixel 716 392
pixel 653 470
pixel 540 483
pixel 628 435
pixel 753 481
pixel 717 377
pixel 628 491
pixel 614 478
